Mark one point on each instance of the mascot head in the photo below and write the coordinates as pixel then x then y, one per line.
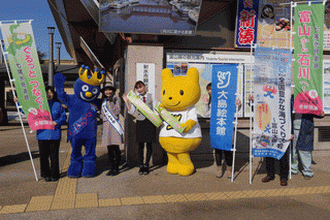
pixel 87 87
pixel 180 92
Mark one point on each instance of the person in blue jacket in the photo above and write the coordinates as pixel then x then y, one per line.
pixel 49 140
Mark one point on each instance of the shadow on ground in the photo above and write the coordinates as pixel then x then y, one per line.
pixel 17 158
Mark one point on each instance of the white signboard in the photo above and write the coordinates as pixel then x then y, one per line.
pixel 208 58
pixel 146 73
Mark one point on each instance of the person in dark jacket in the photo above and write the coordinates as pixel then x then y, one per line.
pixel 303 143
pixel 49 140
pixel 283 163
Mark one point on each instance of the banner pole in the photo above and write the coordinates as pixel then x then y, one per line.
pixel 291 35
pixel 235 137
pixel 19 114
pixel 250 151
pixel 251 107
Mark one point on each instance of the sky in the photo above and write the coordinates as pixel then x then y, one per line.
pixel 39 12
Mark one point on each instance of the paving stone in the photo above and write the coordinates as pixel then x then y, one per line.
pixel 196 197
pixel 175 198
pixel 40 203
pixel 132 200
pixel 11 209
pixel 216 196
pixel 109 202
pixel 86 200
pixel 153 199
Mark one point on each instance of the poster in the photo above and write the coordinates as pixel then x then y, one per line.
pixel 326 86
pixel 180 62
pixel 326 33
pixel 274 23
pixel 149 17
pixel 248 89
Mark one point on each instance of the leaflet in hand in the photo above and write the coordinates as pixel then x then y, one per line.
pixel 144 109
pixel 168 117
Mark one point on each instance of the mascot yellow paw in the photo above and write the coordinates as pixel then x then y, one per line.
pixel 189 125
pixel 179 96
pixel 186 170
pixel 173 168
pixel 180 164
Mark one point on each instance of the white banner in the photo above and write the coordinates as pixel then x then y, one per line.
pixel 272 90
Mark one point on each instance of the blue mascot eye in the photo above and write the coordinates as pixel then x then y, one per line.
pixel 181 92
pixel 95 91
pixel 85 88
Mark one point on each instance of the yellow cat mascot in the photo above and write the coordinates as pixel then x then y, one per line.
pixel 179 95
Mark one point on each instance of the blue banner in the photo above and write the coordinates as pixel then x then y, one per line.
pixel 272 107
pixel 224 83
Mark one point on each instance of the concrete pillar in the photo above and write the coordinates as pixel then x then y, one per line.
pixel 141 54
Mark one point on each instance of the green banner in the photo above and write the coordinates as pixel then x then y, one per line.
pixel 308 58
pixel 25 68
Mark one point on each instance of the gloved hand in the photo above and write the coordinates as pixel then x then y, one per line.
pixel 189 125
pixel 59 80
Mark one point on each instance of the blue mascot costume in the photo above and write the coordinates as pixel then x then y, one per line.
pixel 82 124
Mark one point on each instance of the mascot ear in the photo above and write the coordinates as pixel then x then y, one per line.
pixel 166 74
pixel 193 74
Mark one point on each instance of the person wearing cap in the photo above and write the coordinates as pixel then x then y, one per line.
pixel 111 138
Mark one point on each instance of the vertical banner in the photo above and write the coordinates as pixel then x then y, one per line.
pixel 224 83
pixel 146 73
pixel 308 55
pixel 246 23
pixel 25 68
pixel 272 92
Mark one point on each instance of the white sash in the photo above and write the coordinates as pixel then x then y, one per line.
pixel 111 118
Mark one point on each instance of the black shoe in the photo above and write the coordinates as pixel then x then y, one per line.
pixel 146 170
pixel 308 177
pixel 267 179
pixel 284 182
pixel 54 179
pixel 110 173
pixel 48 179
pixel 115 172
pixel 141 170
